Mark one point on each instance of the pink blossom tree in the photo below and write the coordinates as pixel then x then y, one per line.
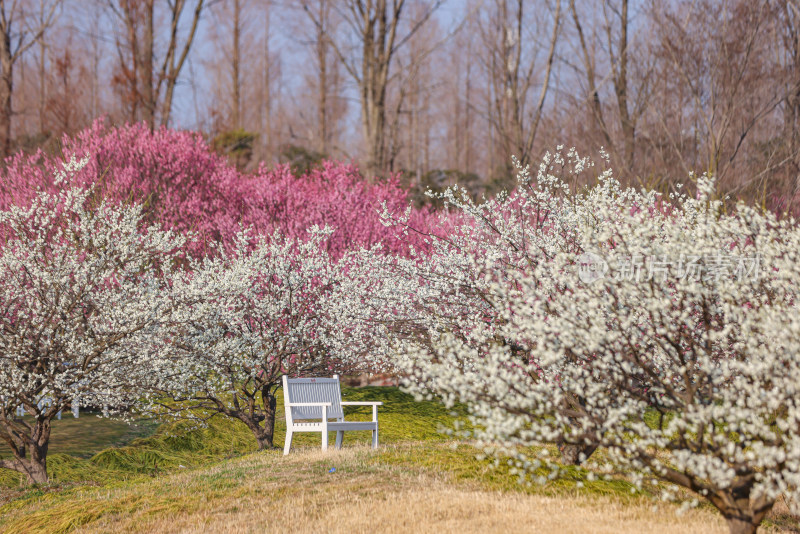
pixel 184 186
pixel 335 195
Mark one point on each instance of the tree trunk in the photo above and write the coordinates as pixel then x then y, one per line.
pixel 575 454
pixel 146 62
pixel 741 526
pixel 42 87
pixel 35 467
pixel 378 35
pixel 235 61
pixel 742 513
pixel 35 470
pixel 596 107
pixel 170 69
pixel 621 89
pixel 322 104
pixel 270 408
pixel 741 510
pixel 264 433
pixel 6 90
pixel 466 142
pixel 266 95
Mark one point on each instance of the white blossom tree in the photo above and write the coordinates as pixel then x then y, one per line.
pixel 82 299
pixel 452 287
pixel 668 334
pixel 265 308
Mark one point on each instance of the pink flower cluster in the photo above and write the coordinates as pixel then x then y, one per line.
pixel 336 195
pixel 185 186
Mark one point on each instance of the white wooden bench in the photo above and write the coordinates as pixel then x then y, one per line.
pixel 321 399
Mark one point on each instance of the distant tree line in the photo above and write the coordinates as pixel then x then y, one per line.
pixel 429 88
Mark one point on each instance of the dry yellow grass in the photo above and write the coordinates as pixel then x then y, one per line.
pixel 443 510
pixel 298 495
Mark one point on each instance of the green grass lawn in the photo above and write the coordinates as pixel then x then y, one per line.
pixel 89 434
pixel 98 451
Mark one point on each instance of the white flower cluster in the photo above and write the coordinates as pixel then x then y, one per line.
pixel 270 306
pixel 100 311
pixel 690 380
pixel 83 294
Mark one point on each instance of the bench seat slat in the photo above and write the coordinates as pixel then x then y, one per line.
pixel 338 425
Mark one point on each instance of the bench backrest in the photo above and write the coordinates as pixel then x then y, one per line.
pixel 313 390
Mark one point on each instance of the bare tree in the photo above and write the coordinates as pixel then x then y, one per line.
pixel 140 72
pixel 68 102
pixel 728 83
pixel 513 73
pixel 173 62
pixel 619 73
pixel 321 14
pixel 409 93
pixel 790 12
pixel 62 103
pixel 42 73
pixel 264 94
pixel 244 76
pixel 326 78
pixel 617 55
pixel 375 24
pixel 19 30
pixel 788 151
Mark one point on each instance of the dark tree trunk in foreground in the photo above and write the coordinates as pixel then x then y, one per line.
pixel 575 454
pixel 260 423
pixel 30 452
pixel 742 511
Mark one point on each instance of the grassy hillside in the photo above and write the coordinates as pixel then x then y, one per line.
pixel 86 449
pixel 212 479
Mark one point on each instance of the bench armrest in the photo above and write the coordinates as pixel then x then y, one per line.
pixel 363 403
pixel 301 404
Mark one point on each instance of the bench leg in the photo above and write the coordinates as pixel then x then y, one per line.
pixel 325 440
pixel 287 443
pixel 375 439
pixel 339 437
